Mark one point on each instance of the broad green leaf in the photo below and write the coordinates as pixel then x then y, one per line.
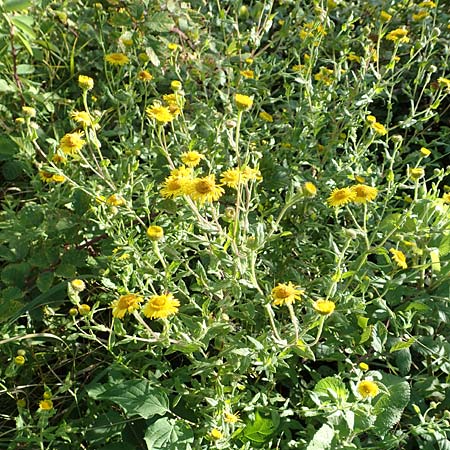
pixel 303 350
pixel 24 24
pixel 168 434
pixel 402 345
pixel 16 274
pixel 403 361
pixel 322 439
pixel 333 388
pixel 138 397
pixel 105 427
pixel 16 5
pixel 44 281
pixel 8 148
pixel 417 306
pixel 159 22
pixel 260 430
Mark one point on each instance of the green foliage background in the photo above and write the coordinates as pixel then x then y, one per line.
pixel 290 376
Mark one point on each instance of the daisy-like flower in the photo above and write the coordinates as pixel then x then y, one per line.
pixel 72 143
pixel 19 360
pixel 398 35
pixel 446 197
pixel 247 73
pixel 324 307
pixel 78 285
pixel 161 306
pixel 286 294
pixel 266 116
pixel 173 47
pixel 58 178
pixel 341 197
pixel 325 76
pixel 192 159
pixel 363 366
pixel 427 4
pixel 86 83
pixel 420 15
pixel 231 178
pixel 416 173
pixel 309 189
pixel 84 309
pixel 81 117
pixel 364 193
pixel 58 159
pixel 204 189
pixel 115 200
pixel 385 16
pixel 160 113
pixel 216 434
pixel 378 128
pixel 144 75
pixel 371 119
pixel 444 82
pixel 117 59
pixel 176 85
pixel 45 405
pixel 174 185
pixel 28 111
pixel 125 304
pixel 231 418
pixel 425 152
pixel 399 257
pixel 367 388
pixel 251 174
pixel 155 233
pixel 243 102
pixel 45 176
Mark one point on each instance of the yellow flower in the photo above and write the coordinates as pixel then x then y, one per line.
pixel 324 76
pixel 266 116
pixel 78 285
pixel 444 82
pixel 85 83
pixel 45 405
pixel 249 61
pixel 160 113
pixel 125 304
pixel 176 85
pixel 204 189
pixel 324 307
pixel 243 102
pixel 19 360
pixel 341 197
pixel 399 257
pixel 286 294
pixel 231 418
pixel 427 4
pixel 247 73
pixel 28 111
pixel 115 200
pixel 420 15
pixel 363 366
pixel 161 306
pixel 46 177
pixel 398 35
pixel 173 47
pixel 352 57
pixel 371 119
pixel 192 159
pixel 73 312
pixel 360 179
pixel 251 174
pixel 155 233
pixel 364 193
pixel 173 187
pixel 425 152
pixel 385 16
pixel 47 395
pixel 72 143
pixel 416 173
pixel 367 388
pixel 143 75
pixel 231 178
pixel 378 128
pixel 216 434
pixel 446 197
pixel 81 117
pixel 19 120
pixel 117 59
pixel 58 178
pixel 309 189
pixel 84 309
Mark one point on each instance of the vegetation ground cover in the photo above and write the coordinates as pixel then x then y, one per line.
pixel 225 224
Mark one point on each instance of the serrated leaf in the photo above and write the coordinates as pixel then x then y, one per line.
pixel 402 345
pixel 160 22
pixel 260 430
pixel 335 385
pixel 168 434
pixel 138 397
pixel 322 439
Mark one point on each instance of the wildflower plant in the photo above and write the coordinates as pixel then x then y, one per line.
pixel 224 225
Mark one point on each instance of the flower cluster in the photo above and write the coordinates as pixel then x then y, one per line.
pixel 359 193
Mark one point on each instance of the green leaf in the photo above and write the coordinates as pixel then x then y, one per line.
pixel 160 22
pixel 9 302
pixel 333 388
pixel 402 345
pixel 66 271
pixel 44 281
pixel 322 439
pixel 260 430
pixel 303 350
pixel 16 274
pixel 105 426
pixel 389 407
pixel 403 361
pixel 24 24
pixel 168 434
pixel 138 397
pixel 8 148
pixel 16 5
pixel 5 87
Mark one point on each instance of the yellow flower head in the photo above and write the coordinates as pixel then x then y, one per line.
pixel 364 193
pixel 144 75
pixel 84 309
pixel 117 59
pixel 251 174
pixel 160 113
pixel 341 197
pixel 216 434
pixel 115 200
pixel 364 366
pixel 78 285
pixel 324 307
pixel 399 257
pixel 367 388
pixel 28 111
pixel 243 102
pixel 231 418
pixel 73 312
pixel 125 304
pixel 86 83
pixel 416 173
pixel 72 143
pixel 286 294
pixel 324 75
pixel 425 152
pixel 161 306
pixel 385 16
pixel 266 116
pixel 231 178
pixel 81 117
pixel 173 187
pixel 192 159
pixel 427 4
pixel 378 128
pixel 45 176
pixel 204 189
pixel 176 85
pixel 173 47
pixel 58 178
pixel 45 405
pixel 155 233
pixel 19 360
pixel 398 35
pixel 446 197
pixel 420 15
pixel 444 82
pixel 309 189
pixel 247 73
